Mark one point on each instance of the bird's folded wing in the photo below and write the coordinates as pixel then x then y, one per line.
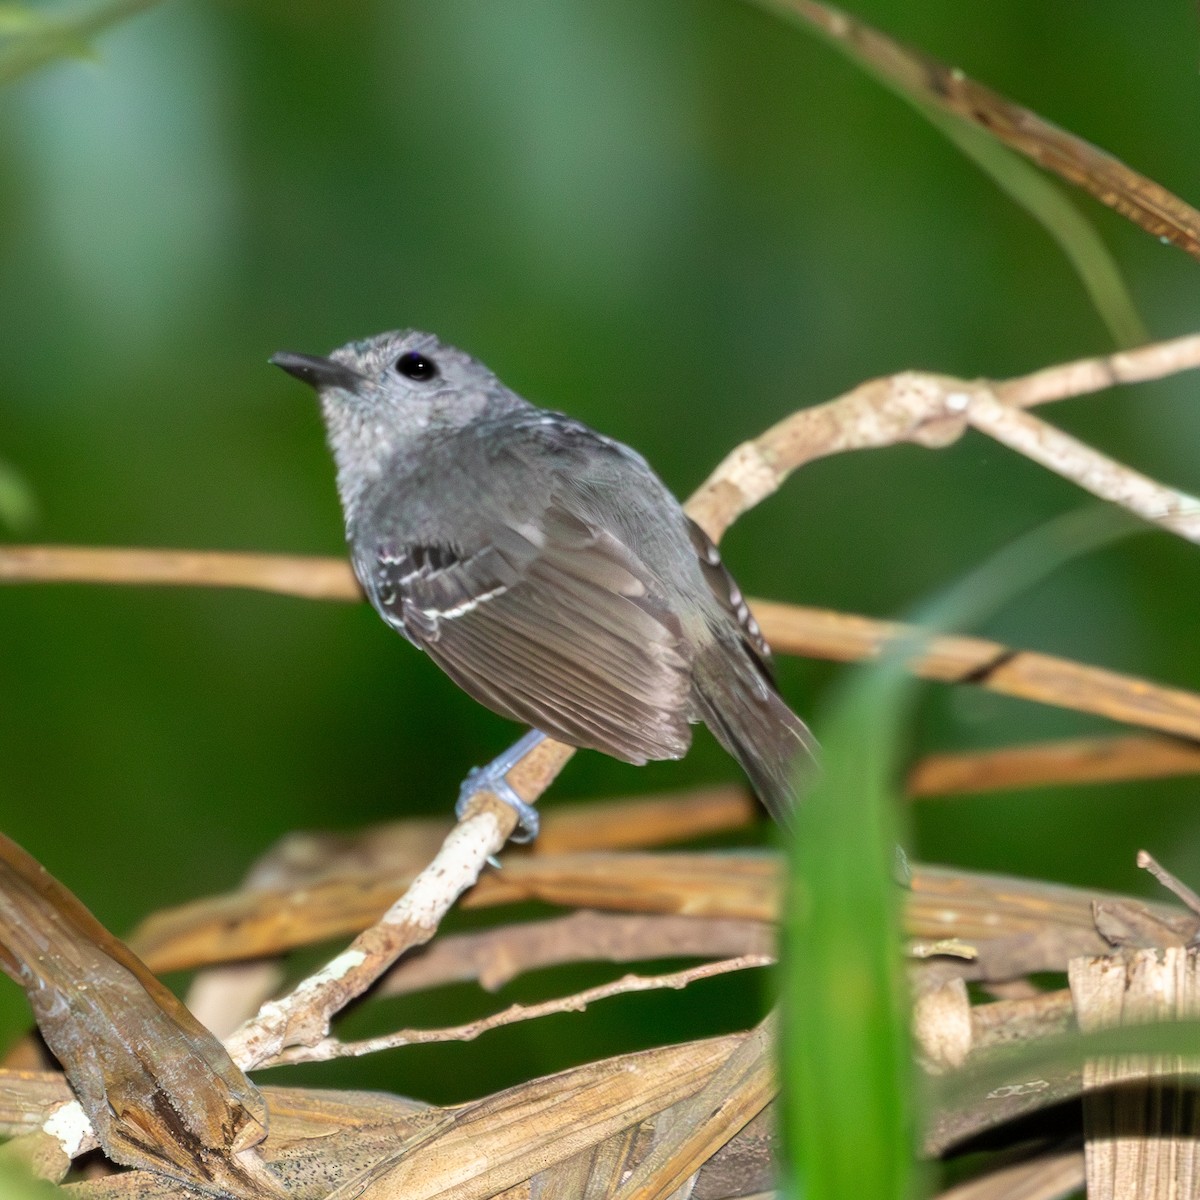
pixel 729 596
pixel 555 623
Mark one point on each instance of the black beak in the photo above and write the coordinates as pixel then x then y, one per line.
pixel 317 372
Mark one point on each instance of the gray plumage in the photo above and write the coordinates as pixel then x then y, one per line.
pixel 544 567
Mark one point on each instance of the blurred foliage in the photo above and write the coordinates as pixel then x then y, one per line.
pixel 18 1184
pixel 35 36
pixel 678 221
pixel 18 508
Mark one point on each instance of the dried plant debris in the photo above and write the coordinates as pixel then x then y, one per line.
pixel 158 1089
pixel 165 1098
pixel 1000 927
pixel 595 1123
pixel 655 1121
pixel 1141 1119
pixel 481 1149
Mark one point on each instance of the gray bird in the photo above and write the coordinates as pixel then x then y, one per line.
pixel 544 567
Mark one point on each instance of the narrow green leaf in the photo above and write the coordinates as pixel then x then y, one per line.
pixel 848 1112
pixel 1062 219
pixel 18 20
pixel 847 1075
pixel 1041 198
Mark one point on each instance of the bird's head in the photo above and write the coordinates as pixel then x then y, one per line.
pixel 381 395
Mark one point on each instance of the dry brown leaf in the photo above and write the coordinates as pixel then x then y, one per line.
pixel 501 1141
pixel 1016 926
pixel 737 1092
pixel 748 1162
pixel 157 1087
pixel 595 1173
pixel 319 1140
pixel 26 1098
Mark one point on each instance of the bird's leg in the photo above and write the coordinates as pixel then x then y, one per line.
pixel 492 778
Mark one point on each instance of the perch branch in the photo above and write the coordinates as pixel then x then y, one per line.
pixel 302 1017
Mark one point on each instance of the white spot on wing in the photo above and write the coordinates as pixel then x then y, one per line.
pixel 448 614
pixel 532 534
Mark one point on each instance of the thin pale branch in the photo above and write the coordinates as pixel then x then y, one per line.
pixel 737 1093
pixel 1104 477
pixel 329 1048
pixel 934 411
pixel 1172 883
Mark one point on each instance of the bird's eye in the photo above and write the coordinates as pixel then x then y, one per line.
pixel 416 366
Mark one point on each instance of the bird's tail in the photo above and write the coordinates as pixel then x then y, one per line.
pixel 750 719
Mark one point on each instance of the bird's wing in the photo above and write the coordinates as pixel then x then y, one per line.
pixel 554 622
pixel 727 593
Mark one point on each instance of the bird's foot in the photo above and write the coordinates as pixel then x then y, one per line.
pixel 493 779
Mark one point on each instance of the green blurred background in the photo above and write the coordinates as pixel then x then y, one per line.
pixel 679 221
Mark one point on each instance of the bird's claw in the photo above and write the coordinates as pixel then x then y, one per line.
pixel 491 779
